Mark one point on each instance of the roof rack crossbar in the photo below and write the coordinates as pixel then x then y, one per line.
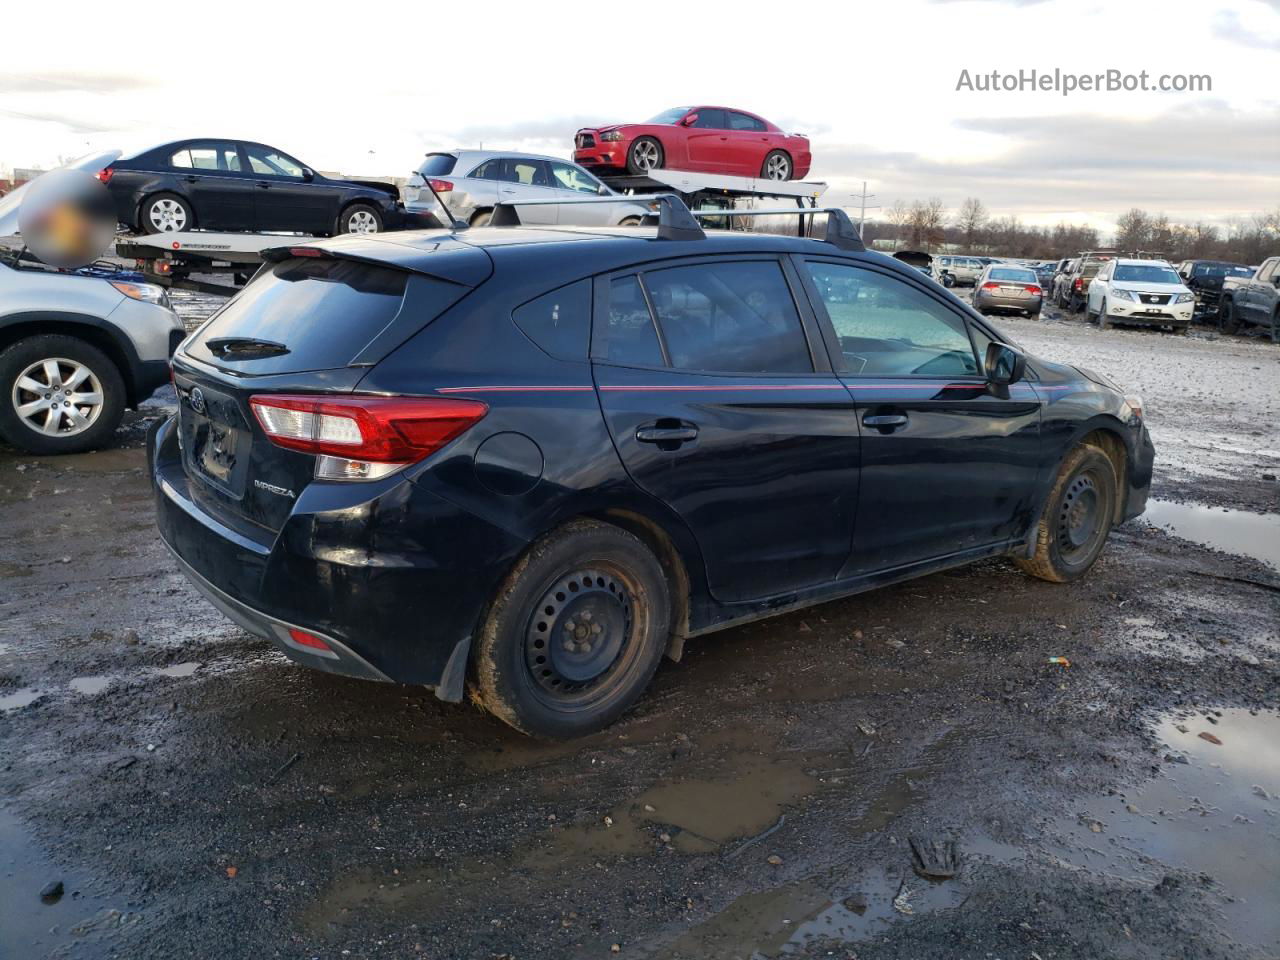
pixel 840 229
pixel 674 220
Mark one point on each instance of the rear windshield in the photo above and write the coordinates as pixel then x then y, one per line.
pixel 1012 273
pixel 1143 273
pixel 437 164
pixel 322 310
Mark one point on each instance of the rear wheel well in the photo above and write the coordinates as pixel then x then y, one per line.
pixel 99 338
pixel 656 539
pixel 1111 444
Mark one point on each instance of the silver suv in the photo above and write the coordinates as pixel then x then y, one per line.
pixel 470 182
pixel 962 269
pixel 76 348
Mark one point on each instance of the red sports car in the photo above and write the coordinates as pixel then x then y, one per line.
pixel 701 139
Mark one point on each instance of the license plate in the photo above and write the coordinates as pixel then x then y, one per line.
pixel 1010 291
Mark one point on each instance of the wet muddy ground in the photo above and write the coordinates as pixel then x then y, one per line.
pixel 784 791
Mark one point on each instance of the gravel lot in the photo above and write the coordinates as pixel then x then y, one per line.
pixel 196 795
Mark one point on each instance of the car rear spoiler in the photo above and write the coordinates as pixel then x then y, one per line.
pixel 675 221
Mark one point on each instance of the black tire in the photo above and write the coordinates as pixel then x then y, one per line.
pixel 641 153
pixel 1228 321
pixel 360 218
pixel 481 218
pixel 1102 315
pixel 777 166
pixel 1077 517
pixel 1033 314
pixel 630 222
pixel 574 634
pixel 1275 326
pixel 19 432
pixel 151 214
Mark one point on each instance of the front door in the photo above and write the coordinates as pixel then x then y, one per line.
pixel 948 463
pixel 708 142
pixel 727 411
pixel 284 199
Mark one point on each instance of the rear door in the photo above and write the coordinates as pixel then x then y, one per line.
pixel 524 178
pixel 727 411
pixel 749 143
pixel 949 464
pixel 211 174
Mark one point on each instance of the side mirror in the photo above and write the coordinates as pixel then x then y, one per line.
pixel 308 174
pixel 690 120
pixel 1005 365
pixel 604 191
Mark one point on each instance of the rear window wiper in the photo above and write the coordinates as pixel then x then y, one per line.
pixel 244 348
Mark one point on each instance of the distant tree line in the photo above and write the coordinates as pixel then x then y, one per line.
pixel 928 225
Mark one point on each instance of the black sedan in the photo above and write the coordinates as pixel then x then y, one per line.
pixel 239 185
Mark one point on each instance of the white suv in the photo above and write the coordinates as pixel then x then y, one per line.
pixel 1145 292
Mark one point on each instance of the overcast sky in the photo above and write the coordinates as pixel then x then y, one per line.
pixel 368 88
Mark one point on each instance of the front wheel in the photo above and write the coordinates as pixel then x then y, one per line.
pixel 777 166
pixel 1228 320
pixel 1077 517
pixel 59 395
pixel 1275 326
pixel 645 155
pixel 575 633
pixel 1102 316
pixel 360 218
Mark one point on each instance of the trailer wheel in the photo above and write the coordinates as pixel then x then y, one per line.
pixel 166 213
pixel 645 155
pixel 360 218
pixel 482 218
pixel 777 166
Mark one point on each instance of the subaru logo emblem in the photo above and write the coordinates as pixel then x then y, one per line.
pixel 196 396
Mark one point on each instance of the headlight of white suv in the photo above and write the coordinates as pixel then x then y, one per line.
pixel 1124 294
pixel 1185 298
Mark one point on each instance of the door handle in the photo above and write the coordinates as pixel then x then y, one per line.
pixel 190 179
pixel 885 421
pixel 652 433
pixel 508 190
pixel 262 184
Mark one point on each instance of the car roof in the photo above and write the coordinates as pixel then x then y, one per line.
pixel 478 154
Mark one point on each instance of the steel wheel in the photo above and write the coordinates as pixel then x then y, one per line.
pixel 1080 518
pixel 167 215
pixel 362 221
pixel 58 397
pixel 579 634
pixel 778 167
pixel 644 153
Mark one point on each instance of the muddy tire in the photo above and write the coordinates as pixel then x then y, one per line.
pixel 574 634
pixel 58 394
pixel 1275 326
pixel 1228 321
pixel 482 218
pixel 1103 322
pixel 1077 517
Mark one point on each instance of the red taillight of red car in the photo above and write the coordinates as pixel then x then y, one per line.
pixel 105 174
pixel 372 430
pixel 440 186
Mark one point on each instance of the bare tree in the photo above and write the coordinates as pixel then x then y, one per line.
pixel 970 221
pixel 926 223
pixel 1133 230
pixel 898 215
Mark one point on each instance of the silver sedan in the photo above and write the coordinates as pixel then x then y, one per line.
pixel 1007 288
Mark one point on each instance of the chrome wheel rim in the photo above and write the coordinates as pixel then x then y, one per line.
pixel 167 216
pixel 362 221
pixel 778 168
pixel 645 154
pixel 58 397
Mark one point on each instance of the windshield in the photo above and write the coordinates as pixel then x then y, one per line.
pixel 669 116
pixel 1145 273
pixel 1220 270
pixel 1012 273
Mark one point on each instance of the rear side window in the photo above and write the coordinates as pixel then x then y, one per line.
pixel 740 121
pixel 322 310
pixel 560 321
pixel 629 337
pixel 531 173
pixel 730 317
pixel 437 164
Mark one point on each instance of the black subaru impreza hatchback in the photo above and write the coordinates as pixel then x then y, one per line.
pixel 526 463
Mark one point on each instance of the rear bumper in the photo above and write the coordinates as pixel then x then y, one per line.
pixel 392 578
pixel 1031 304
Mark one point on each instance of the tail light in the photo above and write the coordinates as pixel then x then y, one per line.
pixel 105 174
pixel 1079 284
pixel 991 286
pixel 440 186
pixel 364 438
pixel 1033 289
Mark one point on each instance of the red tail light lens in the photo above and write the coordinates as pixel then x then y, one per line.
pixel 1032 288
pixel 1079 284
pixel 105 174
pixel 440 186
pixel 304 639
pixel 386 430
pixel 991 286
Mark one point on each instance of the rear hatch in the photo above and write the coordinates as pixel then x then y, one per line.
pixel 434 166
pixel 310 324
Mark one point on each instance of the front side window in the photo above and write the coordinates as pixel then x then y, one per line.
pixel 888 328
pixel 629 338
pixel 1267 274
pixel 272 163
pixel 732 317
pixel 710 119
pixel 568 177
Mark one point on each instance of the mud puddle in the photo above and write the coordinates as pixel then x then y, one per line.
pixel 1212 821
pixel 20 698
pixel 35 926
pixel 1255 535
